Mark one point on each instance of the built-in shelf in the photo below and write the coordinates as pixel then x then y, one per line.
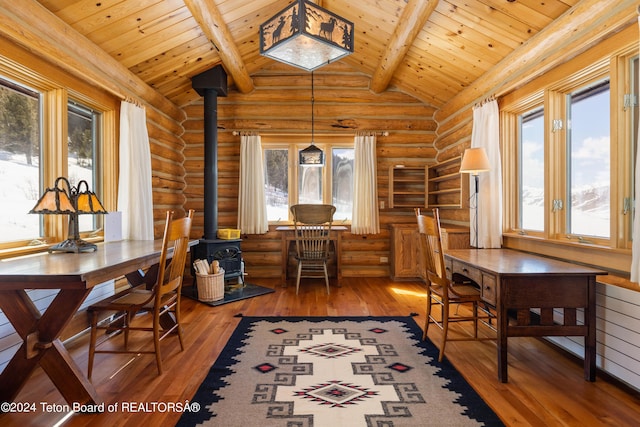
pixel 407 187
pixel 446 185
pixel 435 186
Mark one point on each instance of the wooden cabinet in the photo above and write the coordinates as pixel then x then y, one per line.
pixel 446 186
pixel 405 252
pixel 407 187
pixel 406 261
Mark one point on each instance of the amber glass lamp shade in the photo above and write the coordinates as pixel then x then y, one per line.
pixel 63 199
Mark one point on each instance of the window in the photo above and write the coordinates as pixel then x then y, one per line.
pixel 531 170
pixel 277 183
pixel 574 168
pixel 331 184
pixel 564 184
pixel 33 146
pixel 310 185
pixel 20 108
pixel 83 130
pixel 342 179
pixel 589 152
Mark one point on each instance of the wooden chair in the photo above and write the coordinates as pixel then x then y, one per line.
pixel 312 228
pixel 161 301
pixel 443 290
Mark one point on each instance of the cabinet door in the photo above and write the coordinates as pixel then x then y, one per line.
pixel 405 262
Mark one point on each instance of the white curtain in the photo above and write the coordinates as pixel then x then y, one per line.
pixel 635 248
pixel 135 195
pixel 365 216
pixel 252 202
pixel 486 133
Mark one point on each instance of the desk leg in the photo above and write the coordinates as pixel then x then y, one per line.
pixel 590 339
pixel 41 346
pixel 503 324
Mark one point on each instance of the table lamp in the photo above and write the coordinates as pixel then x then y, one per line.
pixel 474 161
pixel 63 199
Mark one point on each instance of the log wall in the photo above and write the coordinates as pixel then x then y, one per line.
pixel 281 103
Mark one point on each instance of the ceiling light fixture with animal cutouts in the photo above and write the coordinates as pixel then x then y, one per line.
pixel 306 36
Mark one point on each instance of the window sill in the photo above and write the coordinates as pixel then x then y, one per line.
pixel 621 282
pixel 614 260
pixel 22 250
pixel 34 249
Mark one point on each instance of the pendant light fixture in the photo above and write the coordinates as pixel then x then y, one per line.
pixel 312 155
pixel 306 35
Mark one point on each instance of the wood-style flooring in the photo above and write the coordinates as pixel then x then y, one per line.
pixel 545 388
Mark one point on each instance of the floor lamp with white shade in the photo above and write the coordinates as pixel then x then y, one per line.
pixel 474 161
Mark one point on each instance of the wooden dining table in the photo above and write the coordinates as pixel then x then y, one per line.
pixel 74 274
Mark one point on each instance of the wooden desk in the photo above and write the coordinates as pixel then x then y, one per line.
pixel 288 236
pixel 517 282
pixel 74 274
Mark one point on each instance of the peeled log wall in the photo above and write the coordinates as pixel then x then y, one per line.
pixel 281 103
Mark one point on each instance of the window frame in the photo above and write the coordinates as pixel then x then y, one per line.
pixel 96 184
pixel 56 89
pixel 295 143
pixel 566 218
pixel 549 91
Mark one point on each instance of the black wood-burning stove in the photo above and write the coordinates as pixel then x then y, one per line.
pixel 226 252
pixel 211 84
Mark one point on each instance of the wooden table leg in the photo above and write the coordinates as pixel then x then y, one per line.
pixel 503 324
pixel 41 346
pixel 139 277
pixel 590 339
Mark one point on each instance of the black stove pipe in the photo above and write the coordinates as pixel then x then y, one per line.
pixel 210 164
pixel 210 84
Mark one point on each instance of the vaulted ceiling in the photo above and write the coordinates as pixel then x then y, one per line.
pixel 431 49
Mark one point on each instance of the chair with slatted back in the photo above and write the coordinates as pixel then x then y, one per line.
pixel 442 290
pixel 312 228
pixel 162 300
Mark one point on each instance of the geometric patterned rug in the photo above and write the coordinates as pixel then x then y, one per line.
pixel 333 372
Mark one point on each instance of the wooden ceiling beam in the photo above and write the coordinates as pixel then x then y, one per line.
pixel 213 26
pixel 413 19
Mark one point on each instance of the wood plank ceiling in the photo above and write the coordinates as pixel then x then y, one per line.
pixel 429 49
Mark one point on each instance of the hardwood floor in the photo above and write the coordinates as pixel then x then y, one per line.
pixel 546 387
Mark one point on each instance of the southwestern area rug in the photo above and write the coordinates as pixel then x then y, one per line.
pixel 331 372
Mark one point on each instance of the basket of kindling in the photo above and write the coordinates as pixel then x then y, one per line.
pixel 209 280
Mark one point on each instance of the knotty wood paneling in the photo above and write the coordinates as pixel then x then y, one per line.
pixel 164 45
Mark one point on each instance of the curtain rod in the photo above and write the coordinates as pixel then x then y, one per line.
pixel 484 101
pixel 132 101
pixel 255 132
